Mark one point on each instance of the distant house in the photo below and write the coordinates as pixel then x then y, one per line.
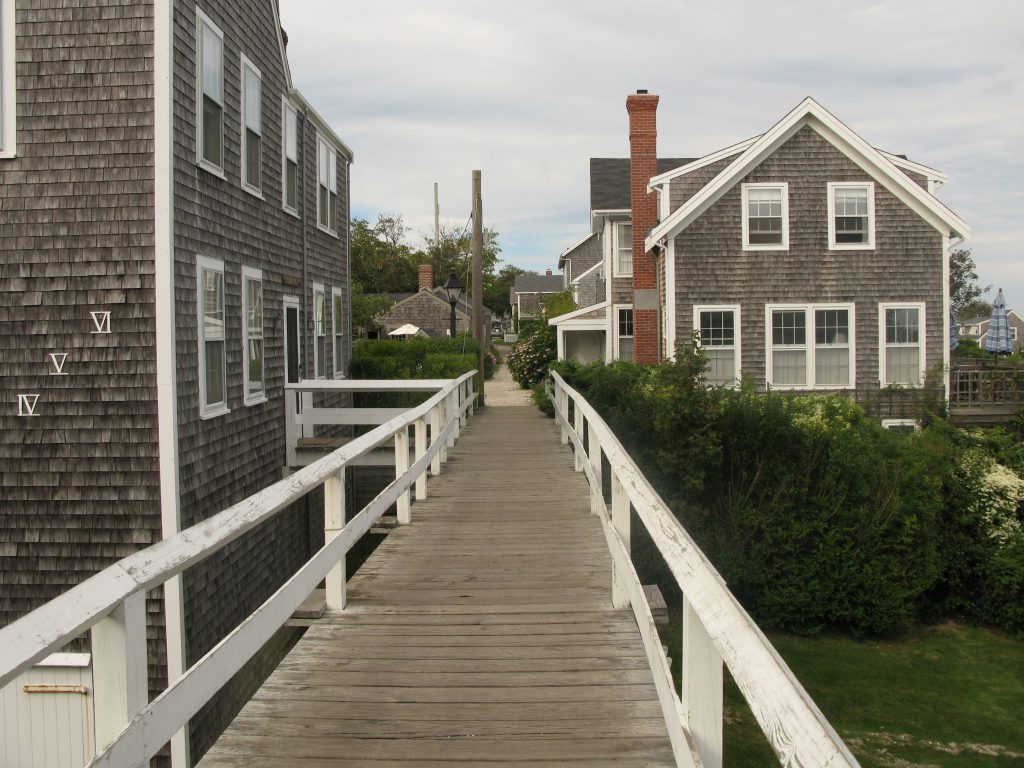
pixel 173 249
pixel 976 329
pixel 428 310
pixel 526 293
pixel 803 259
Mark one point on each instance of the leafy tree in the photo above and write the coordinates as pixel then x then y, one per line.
pixel 963 281
pixel 452 250
pixel 976 308
pixel 497 288
pixel 365 308
pixel 556 304
pixel 382 260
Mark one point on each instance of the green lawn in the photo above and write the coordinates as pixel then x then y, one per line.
pixel 948 696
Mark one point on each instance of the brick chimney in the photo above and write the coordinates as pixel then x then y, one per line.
pixel 548 273
pixel 643 156
pixel 426 277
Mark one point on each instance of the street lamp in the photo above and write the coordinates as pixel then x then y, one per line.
pixel 453 290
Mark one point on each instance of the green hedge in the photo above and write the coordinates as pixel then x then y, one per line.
pixel 814 514
pixel 418 358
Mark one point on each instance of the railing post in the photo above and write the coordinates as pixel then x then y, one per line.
pixel 435 432
pixel 620 522
pixel 578 426
pixel 334 521
pixel 119 667
pixel 594 455
pixel 469 394
pixel 291 428
pixel 421 450
pixel 401 466
pixel 563 409
pixel 702 688
pixel 307 408
pixel 453 416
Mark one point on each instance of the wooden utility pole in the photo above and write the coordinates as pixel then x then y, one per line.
pixel 479 332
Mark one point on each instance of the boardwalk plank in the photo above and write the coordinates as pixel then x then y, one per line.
pixel 480 634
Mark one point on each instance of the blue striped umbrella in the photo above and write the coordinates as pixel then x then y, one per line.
pixel 998 340
pixel 954 342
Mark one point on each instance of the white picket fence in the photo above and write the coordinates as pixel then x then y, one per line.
pixel 715 625
pixel 111 604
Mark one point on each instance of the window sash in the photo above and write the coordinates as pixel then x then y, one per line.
pixel 327 183
pixel 254 361
pixel 291 158
pixel 252 126
pixel 212 57
pixel 717 328
pixel 764 216
pixel 624 250
pixel 903 346
pixel 624 332
pixel 320 333
pixel 211 92
pixel 339 333
pixel 212 338
pixel 822 359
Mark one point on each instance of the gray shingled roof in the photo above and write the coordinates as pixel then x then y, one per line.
pixel 539 283
pixel 609 180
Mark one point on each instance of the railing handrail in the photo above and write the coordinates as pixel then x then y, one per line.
pixel 795 727
pixel 49 627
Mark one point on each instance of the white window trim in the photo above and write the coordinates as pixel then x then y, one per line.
pixel 8 98
pixel 890 423
pixel 922 336
pixel 832 187
pixel 318 289
pixel 744 191
pixel 321 141
pixel 286 107
pixel 615 330
pixel 201 19
pixel 339 370
pixel 207 410
pixel 810 345
pixel 250 273
pixel 246 63
pixel 617 231
pixel 735 309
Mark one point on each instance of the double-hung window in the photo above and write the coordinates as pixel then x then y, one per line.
pixel 7 82
pixel 319 331
pixel 338 307
pixel 252 335
pixel 213 388
pixel 623 255
pixel 902 344
pixel 851 216
pixel 718 330
pixel 624 332
pixel 252 127
pixel 765 216
pixel 810 346
pixel 290 159
pixel 327 186
pixel 210 94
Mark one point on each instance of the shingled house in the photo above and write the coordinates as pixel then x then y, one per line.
pixel 173 248
pixel 526 293
pixel 804 259
pixel 427 309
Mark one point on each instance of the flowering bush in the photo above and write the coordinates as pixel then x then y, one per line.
pixel 530 356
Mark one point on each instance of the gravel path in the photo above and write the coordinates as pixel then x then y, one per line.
pixel 502 390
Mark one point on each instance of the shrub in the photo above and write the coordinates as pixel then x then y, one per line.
pixel 530 356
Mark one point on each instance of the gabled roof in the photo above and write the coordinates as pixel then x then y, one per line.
pixel 609 181
pixel 539 284
pixel 700 162
pixel 564 254
pixel 436 294
pixel 576 280
pixel 810 113
pixel 592 312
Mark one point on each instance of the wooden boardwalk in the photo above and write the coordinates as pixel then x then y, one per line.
pixel 481 634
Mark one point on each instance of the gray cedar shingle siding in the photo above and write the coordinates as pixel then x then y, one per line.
pixel 80 480
pixel 227 458
pixel 906 264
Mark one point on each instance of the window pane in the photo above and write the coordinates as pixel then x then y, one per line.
pixel 213 305
pixel 789 327
pixel 253 156
pixel 338 311
pixel 213 65
pixel 291 135
pixel 832 366
pixel 624 250
pixel 291 184
pixel 626 348
pixel 832 326
pixel 717 329
pixel 789 367
pixel 625 322
pixel 764 212
pixel 254 308
pixel 721 366
pixel 901 326
pixel 254 381
pixel 214 364
pixel 321 355
pixel 253 104
pixel 212 131
pixel 902 365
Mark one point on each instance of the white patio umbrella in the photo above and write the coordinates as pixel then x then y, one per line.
pixel 998 340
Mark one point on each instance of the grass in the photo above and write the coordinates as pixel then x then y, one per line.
pixel 949 696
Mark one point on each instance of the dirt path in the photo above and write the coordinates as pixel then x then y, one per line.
pixel 502 390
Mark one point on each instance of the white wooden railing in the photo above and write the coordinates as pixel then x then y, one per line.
pixel 715 625
pixel 129 728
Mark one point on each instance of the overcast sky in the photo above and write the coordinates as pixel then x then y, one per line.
pixel 528 91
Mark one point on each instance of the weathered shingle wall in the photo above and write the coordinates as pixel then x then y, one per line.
pixel 227 458
pixel 79 480
pixel 905 265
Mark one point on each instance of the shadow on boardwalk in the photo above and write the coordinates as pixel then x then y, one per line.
pixel 481 633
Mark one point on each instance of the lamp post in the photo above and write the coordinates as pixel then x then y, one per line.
pixel 453 290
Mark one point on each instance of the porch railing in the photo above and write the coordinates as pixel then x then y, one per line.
pixel 981 386
pixel 111 604
pixel 716 628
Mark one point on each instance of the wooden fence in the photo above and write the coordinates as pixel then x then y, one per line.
pixel 716 628
pixel 111 604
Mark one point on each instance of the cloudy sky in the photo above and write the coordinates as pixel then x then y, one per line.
pixel 527 91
